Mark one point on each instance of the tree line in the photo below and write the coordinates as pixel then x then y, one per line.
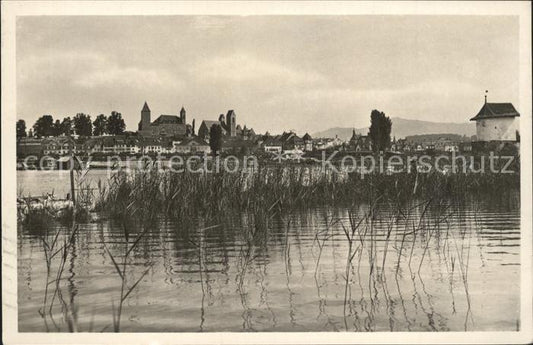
pixel 81 124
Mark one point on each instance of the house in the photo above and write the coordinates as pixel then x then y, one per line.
pixel 291 142
pixel 465 147
pixel 152 145
pixel 93 145
pixel 497 122
pixel 29 146
pixel 61 146
pixel 191 145
pixel 164 125
pixel 115 144
pixel 359 143
pixel 122 144
pixel 327 143
pixel 272 144
pixel 308 142
pixel 451 147
pixel 237 146
pixel 400 145
pixel 245 133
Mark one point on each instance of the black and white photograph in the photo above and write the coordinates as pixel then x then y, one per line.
pixel 240 172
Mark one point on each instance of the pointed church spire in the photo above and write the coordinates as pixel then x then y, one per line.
pixel 353 135
pixel 145 107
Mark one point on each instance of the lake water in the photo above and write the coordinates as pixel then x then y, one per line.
pixel 459 271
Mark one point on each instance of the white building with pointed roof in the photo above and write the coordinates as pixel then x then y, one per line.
pixel 497 122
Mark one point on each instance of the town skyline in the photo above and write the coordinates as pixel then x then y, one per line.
pixel 272 71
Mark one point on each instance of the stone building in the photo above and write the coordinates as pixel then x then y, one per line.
pixel 191 145
pixel 230 129
pixel 164 125
pixel 228 125
pixel 497 122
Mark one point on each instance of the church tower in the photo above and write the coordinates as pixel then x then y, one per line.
pixel 183 115
pixel 145 117
pixel 231 123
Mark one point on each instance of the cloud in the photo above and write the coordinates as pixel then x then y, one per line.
pixel 247 68
pixel 89 71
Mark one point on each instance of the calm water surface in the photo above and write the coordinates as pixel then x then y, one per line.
pixel 461 272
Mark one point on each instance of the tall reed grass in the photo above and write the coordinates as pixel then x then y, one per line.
pixel 150 194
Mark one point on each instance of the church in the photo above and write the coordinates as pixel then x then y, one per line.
pixel 230 129
pixel 164 125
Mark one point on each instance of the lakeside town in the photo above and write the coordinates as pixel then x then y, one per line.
pixel 497 126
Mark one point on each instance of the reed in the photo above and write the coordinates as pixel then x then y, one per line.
pixel 121 270
pixel 150 194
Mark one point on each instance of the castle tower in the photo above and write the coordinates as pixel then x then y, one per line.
pixel 145 117
pixel 231 122
pixel 183 115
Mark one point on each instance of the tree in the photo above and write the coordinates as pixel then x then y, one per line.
pixel 115 123
pixel 380 130
pixel 66 126
pixel 57 128
pixel 100 125
pixel 83 125
pixel 21 128
pixel 44 126
pixel 215 139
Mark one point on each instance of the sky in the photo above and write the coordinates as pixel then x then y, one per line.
pixel 302 73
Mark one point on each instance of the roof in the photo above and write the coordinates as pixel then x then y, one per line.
pixel 145 107
pixel 151 142
pixel 209 123
pixel 272 141
pixel 237 143
pixel 286 135
pixel 307 137
pixel 57 140
pixel 354 136
pixel 192 140
pixel 167 119
pixel 29 140
pixel 495 110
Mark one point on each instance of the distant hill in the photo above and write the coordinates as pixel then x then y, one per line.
pixel 402 128
pixel 422 138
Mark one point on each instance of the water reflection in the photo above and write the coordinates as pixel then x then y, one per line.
pixel 427 267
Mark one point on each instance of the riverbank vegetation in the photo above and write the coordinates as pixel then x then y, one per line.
pixel 179 196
